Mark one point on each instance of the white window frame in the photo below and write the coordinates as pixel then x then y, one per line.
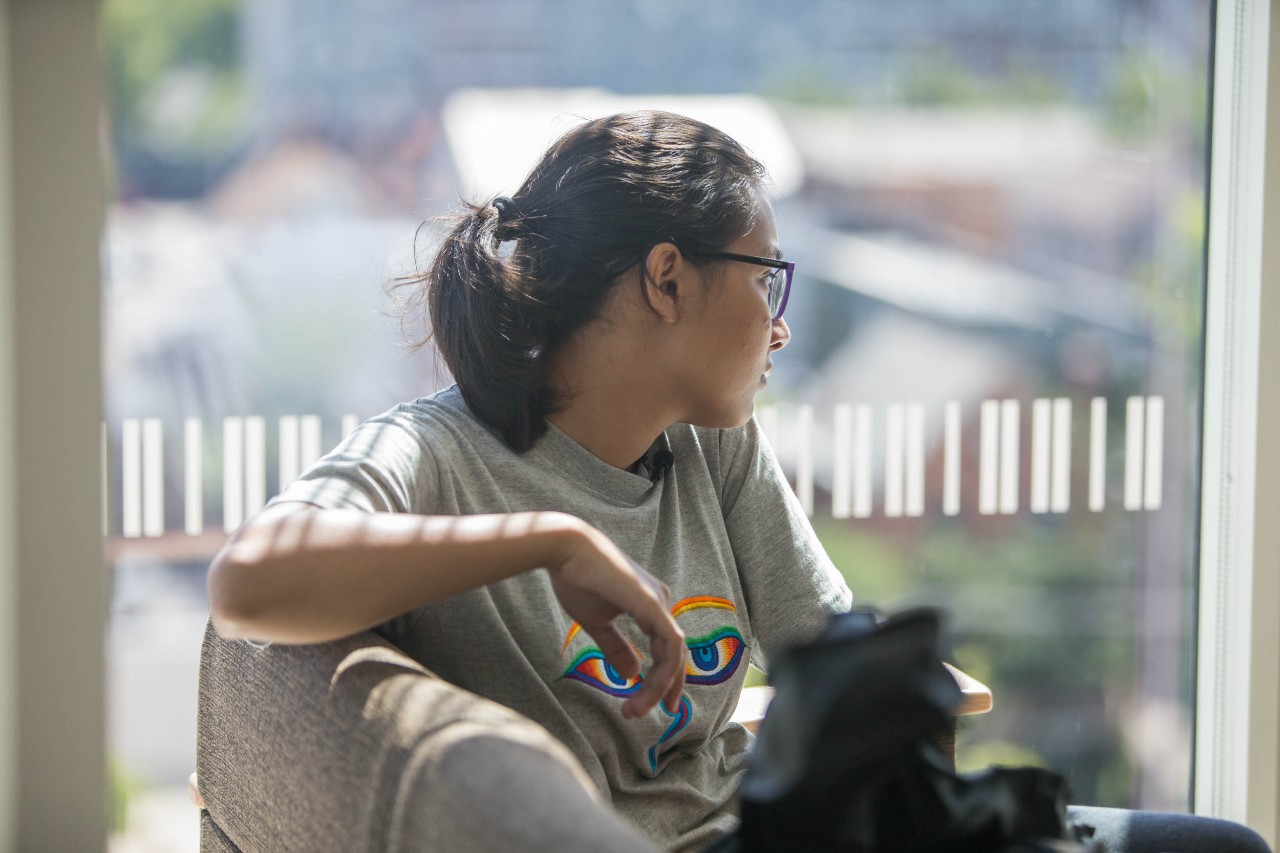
pixel 1237 753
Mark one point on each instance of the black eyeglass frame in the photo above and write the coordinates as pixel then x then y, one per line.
pixel 788 266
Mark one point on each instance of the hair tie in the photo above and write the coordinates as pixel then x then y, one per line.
pixel 507 209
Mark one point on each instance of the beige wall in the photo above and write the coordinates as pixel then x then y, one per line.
pixel 52 577
pixel 1265 724
pixel 8 612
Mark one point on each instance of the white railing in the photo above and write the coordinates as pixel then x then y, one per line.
pixel 904 448
pixel 244 469
pixel 856 451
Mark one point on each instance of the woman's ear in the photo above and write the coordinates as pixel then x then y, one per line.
pixel 663 278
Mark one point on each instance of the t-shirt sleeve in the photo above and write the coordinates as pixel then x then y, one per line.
pixel 385 465
pixel 790 583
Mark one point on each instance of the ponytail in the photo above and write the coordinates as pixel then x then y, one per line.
pixel 485 328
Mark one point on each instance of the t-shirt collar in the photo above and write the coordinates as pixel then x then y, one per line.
pixel 584 467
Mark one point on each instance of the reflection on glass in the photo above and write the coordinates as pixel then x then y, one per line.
pixel 991 399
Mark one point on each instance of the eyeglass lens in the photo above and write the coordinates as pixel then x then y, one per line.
pixel 777 286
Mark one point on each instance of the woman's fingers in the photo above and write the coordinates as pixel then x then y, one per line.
pixel 649 607
pixel 621 656
pixel 672 699
pixel 598 582
pixel 668 670
pixel 669 652
pixel 665 678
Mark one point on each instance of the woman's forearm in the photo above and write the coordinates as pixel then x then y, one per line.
pixel 300 574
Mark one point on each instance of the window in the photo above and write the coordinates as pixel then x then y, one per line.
pixel 992 399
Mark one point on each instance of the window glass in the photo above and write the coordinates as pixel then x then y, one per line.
pixel 991 400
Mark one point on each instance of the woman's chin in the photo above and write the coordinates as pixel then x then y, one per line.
pixel 747 414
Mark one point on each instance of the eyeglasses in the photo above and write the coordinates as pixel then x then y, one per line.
pixel 779 279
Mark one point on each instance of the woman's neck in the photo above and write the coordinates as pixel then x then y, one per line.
pixel 610 410
pixel 610 426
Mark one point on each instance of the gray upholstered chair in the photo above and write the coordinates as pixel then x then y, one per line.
pixel 323 747
pixel 341 746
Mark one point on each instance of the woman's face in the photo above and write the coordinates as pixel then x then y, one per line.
pixel 730 339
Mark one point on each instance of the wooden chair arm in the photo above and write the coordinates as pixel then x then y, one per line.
pixel 976 696
pixel 754 701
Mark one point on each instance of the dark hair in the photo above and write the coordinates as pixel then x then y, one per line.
pixel 603 195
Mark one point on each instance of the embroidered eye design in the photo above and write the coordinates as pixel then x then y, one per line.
pixel 679 720
pixel 714 658
pixel 592 669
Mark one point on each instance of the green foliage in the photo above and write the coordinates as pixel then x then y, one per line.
pixel 1114 780
pixel 1170 283
pixel 1042 612
pixel 874 569
pixel 924 78
pixel 1133 96
pixel 809 85
pixel 934 78
pixel 975 659
pixel 122 786
pixel 973 757
pixel 1148 97
pixel 160 52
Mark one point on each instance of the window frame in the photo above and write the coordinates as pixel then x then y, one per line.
pixel 1237 733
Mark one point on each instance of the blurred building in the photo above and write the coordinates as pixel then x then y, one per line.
pixel 348 67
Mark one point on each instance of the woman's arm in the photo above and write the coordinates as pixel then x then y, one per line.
pixel 296 573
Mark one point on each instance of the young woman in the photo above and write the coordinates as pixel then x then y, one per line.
pixel 588 528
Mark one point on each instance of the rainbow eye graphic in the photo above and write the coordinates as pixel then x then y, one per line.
pixel 714 658
pixel 592 669
pixel 679 720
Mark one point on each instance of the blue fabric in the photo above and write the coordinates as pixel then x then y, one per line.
pixel 1126 831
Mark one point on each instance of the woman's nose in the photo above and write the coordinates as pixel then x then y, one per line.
pixel 781 335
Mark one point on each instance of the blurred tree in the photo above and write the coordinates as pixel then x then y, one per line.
pixel 1150 97
pixel 176 92
pixel 934 77
pixel 805 82
pixel 1052 662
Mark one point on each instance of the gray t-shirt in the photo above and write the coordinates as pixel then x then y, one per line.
pixel 721 528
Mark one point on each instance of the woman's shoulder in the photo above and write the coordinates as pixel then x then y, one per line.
pixel 722 451
pixel 439 422
pixel 445 409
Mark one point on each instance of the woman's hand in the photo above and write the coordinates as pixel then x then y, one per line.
pixel 596 583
